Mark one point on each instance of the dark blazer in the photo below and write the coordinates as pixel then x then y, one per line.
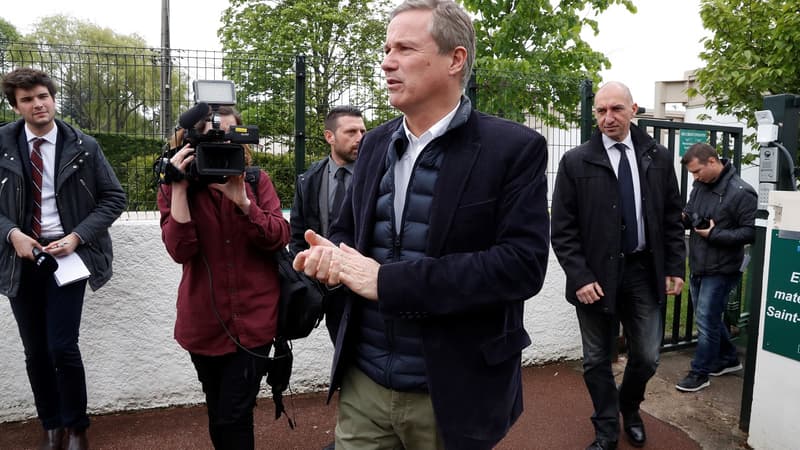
pixel 586 219
pixel 486 254
pixel 306 213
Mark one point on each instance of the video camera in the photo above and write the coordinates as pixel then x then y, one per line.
pixel 217 153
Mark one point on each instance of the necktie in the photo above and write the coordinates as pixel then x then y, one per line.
pixel 37 169
pixel 630 229
pixel 338 194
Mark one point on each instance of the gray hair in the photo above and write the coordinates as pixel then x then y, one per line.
pixel 450 27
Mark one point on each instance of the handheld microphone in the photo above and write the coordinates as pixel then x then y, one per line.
pixel 44 262
pixel 193 115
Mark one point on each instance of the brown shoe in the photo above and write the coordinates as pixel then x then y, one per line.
pixel 77 440
pixel 52 439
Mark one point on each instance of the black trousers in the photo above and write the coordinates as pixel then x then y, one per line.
pixel 231 383
pixel 639 311
pixel 49 320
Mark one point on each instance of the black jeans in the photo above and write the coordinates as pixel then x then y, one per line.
pixel 49 320
pixel 231 383
pixel 639 312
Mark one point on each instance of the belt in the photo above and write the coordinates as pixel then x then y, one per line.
pixel 638 256
pixel 46 240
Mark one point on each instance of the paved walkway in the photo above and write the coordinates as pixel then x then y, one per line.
pixel 557 410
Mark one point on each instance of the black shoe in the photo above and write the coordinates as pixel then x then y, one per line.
pixel 602 444
pixel 77 440
pixel 331 446
pixel 734 366
pixel 52 439
pixel 634 429
pixel 693 382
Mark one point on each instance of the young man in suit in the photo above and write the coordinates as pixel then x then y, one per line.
pixel 319 191
pixel 58 195
pixel 440 240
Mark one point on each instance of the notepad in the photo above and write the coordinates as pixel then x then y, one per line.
pixel 71 268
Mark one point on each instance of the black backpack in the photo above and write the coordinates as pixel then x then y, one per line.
pixel 300 310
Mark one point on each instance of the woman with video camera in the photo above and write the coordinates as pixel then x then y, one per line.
pixel 224 235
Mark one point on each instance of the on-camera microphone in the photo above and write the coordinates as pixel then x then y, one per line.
pixel 44 262
pixel 194 115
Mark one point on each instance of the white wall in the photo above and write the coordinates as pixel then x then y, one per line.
pixel 133 362
pixel 776 389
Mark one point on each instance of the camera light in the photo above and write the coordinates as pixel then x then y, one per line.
pixel 215 92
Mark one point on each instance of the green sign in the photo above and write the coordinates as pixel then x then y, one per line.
pixel 782 302
pixel 688 138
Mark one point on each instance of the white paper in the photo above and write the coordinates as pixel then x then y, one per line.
pixel 70 269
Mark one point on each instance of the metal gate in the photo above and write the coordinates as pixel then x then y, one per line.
pixel 677 311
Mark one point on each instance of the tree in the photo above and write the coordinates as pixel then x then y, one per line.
pixel 517 38
pixel 753 53
pixel 108 82
pixel 8 33
pixel 341 41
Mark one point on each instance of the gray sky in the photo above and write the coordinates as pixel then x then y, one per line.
pixel 659 43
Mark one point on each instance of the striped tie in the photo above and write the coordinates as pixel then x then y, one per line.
pixel 37 169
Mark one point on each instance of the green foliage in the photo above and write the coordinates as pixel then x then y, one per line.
pixel 753 53
pixel 517 37
pixel 136 177
pixel 106 81
pixel 341 42
pixel 8 32
pixel 281 171
pixel 121 148
pixel 132 160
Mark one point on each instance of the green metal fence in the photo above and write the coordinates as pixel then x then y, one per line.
pixel 117 95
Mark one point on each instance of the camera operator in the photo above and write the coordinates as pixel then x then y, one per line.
pixel 721 214
pixel 224 235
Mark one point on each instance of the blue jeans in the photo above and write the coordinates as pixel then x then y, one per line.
pixel 49 320
pixel 709 298
pixel 639 311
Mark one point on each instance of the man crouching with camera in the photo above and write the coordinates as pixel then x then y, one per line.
pixel 224 235
pixel 721 214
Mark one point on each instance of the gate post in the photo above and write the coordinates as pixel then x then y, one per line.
pixel 300 114
pixel 587 98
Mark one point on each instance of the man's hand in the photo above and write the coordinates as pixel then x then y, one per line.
pixel 674 285
pixel 319 260
pixel 64 246
pixel 23 244
pixel 235 191
pixel 704 232
pixel 590 293
pixel 359 273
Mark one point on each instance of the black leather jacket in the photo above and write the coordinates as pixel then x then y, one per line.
pixel 88 195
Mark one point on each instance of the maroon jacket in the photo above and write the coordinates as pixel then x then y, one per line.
pixel 237 249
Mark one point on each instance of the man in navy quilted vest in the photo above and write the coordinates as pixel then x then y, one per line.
pixel 442 237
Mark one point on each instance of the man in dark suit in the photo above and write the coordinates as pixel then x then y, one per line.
pixel 442 237
pixel 58 195
pixel 617 233
pixel 319 191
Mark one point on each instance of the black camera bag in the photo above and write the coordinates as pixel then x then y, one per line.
pixel 300 310
pixel 302 298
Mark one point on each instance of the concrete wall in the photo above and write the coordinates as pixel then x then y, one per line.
pixel 133 362
pixel 775 409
